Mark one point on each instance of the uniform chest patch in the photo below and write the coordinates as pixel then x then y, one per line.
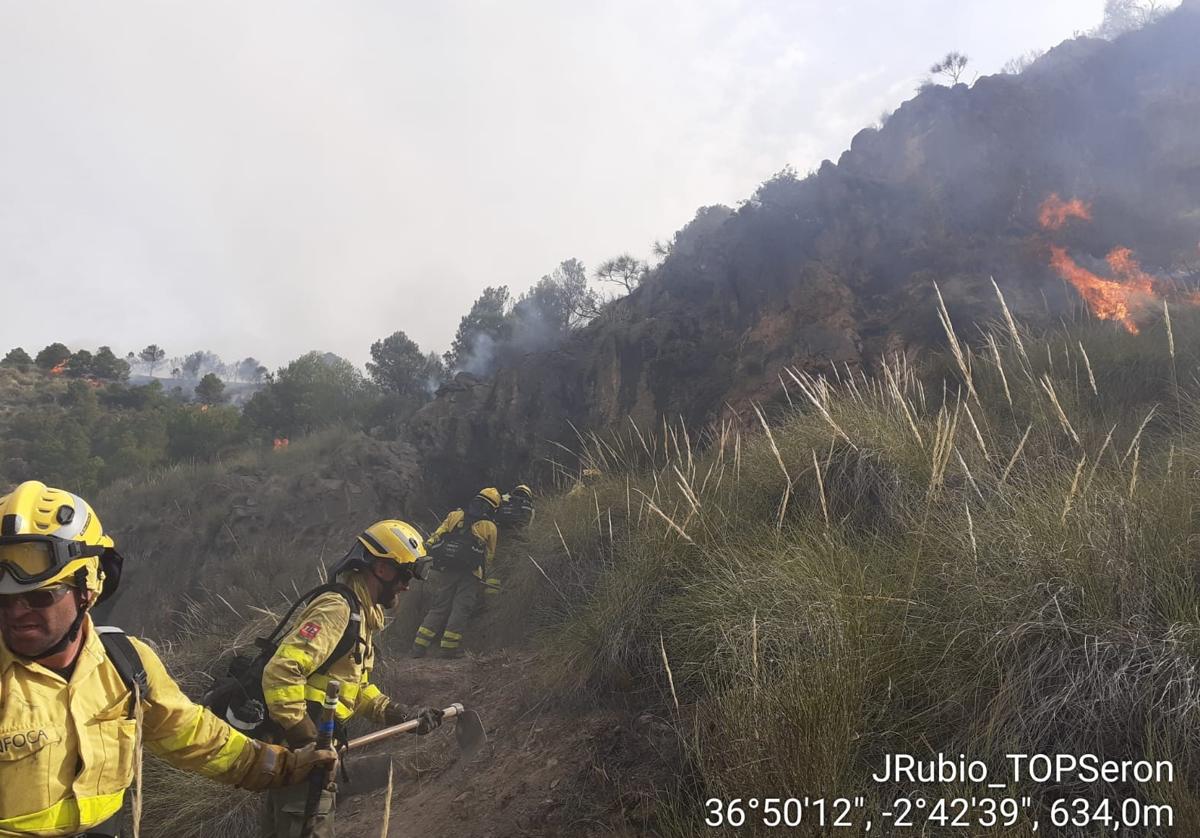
pixel 309 630
pixel 20 740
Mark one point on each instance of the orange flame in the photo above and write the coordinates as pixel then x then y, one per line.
pixel 1055 211
pixel 1108 298
pixel 1126 267
pixel 204 408
pixel 59 368
pixel 1128 293
pixel 281 442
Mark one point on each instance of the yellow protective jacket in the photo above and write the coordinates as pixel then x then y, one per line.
pixel 290 679
pixel 486 530
pixel 67 750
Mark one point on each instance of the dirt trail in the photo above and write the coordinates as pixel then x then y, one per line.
pixel 548 769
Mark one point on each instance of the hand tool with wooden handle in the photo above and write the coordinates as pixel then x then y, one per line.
pixel 468 730
pixel 319 778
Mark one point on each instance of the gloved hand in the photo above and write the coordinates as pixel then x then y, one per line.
pixel 430 717
pixel 395 713
pixel 304 761
pixel 301 733
pixel 275 765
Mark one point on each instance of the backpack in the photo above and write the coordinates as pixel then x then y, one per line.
pixel 514 511
pixel 238 697
pixel 126 660
pixel 460 549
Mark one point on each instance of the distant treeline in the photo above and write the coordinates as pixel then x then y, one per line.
pixel 90 432
pixel 99 428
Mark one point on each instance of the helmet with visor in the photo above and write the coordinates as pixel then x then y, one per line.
pixel 50 537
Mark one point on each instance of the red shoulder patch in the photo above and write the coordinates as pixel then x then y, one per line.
pixel 309 630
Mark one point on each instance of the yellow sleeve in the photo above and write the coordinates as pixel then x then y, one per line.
pixel 187 735
pixel 372 703
pixel 448 524
pixel 491 536
pixel 311 641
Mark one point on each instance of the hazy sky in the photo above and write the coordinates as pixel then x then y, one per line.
pixel 265 178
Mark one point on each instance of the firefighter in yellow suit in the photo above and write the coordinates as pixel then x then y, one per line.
pixel 462 548
pixel 381 563
pixel 68 720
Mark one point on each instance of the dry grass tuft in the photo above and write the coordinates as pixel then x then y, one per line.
pixel 976 580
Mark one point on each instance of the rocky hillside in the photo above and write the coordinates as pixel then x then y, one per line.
pixel 839 267
pixel 260 524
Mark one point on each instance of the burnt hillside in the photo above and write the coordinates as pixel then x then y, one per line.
pixel 839 267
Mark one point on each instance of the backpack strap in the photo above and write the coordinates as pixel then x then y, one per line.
pixel 350 637
pixel 126 660
pixel 346 642
pixel 280 628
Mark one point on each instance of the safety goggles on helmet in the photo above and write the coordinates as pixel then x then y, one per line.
pixel 31 559
pixel 396 573
pixel 405 573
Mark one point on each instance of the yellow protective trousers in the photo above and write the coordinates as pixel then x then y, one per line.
pixel 455 595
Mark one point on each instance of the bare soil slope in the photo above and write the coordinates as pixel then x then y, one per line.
pixel 548 768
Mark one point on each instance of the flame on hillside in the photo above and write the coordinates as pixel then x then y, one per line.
pixel 1055 211
pixel 1126 294
pixel 1109 299
pixel 59 368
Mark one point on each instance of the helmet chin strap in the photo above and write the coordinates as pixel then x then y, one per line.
pixel 76 624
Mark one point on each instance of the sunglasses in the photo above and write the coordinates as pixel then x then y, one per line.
pixel 41 598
